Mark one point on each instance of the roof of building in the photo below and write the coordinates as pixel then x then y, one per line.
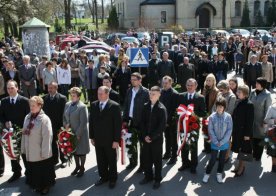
pixel 157 2
pixel 34 22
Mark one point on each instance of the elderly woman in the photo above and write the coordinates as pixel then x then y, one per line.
pixel 261 98
pixel 210 92
pixel 36 144
pixel 243 120
pixel 267 71
pixel 76 118
pixel 270 121
pixel 48 75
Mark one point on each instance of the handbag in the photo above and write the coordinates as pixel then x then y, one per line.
pixel 245 157
pixel 245 153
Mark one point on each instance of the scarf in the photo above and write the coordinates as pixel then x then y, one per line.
pixel 31 124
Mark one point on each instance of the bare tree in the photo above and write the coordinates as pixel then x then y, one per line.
pixel 67 13
pixel 102 11
pixel 91 8
pixel 96 13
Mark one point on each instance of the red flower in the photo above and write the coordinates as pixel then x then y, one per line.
pixel 193 119
pixel 69 150
pixel 67 135
pixel 62 134
pixel 189 129
pixel 195 126
pixel 69 144
pixel 274 138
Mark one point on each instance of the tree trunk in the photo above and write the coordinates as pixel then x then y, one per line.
pixel 102 11
pixel 15 30
pixel 11 28
pixel 96 13
pixel 224 13
pixel 6 28
pixel 91 8
pixel 67 13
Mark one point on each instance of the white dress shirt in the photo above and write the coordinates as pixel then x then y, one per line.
pixel 192 95
pixel 14 98
pixel 134 92
pixel 103 104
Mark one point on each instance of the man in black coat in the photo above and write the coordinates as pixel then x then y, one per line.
pixel 166 67
pixel 135 99
pixel 53 107
pixel 186 71
pixel 113 95
pixel 153 125
pixel 169 98
pixel 105 134
pixel 191 97
pixel 13 109
pixel 152 75
pixel 252 70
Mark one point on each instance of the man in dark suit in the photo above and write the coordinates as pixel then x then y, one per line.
pixel 27 76
pixel 186 70
pixel 169 98
pixel 53 107
pixel 113 95
pixel 13 110
pixel 136 97
pixel 166 67
pixel 252 71
pixel 154 122
pixel 105 132
pixel 191 97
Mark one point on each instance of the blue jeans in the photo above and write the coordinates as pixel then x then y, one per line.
pixel 213 159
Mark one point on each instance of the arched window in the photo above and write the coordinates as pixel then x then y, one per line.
pixel 237 8
pixel 266 7
pixel 256 7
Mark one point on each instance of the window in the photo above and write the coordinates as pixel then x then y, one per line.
pixel 256 7
pixel 163 16
pixel 238 8
pixel 266 7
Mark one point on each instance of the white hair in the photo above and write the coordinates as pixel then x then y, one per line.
pixel 26 57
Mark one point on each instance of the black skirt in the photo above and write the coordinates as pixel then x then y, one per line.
pixel 41 174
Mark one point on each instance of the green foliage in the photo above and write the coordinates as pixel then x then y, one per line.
pixel 271 15
pixel 113 21
pixel 245 21
pixel 58 27
pixel 259 22
pixel 177 29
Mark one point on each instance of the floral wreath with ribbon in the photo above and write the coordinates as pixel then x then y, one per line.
pixel 270 141
pixel 125 140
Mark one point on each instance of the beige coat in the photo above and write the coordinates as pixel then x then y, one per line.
pixel 38 145
pixel 267 71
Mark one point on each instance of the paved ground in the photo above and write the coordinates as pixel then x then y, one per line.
pixel 257 180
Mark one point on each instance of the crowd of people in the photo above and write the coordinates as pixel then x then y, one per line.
pixel 107 94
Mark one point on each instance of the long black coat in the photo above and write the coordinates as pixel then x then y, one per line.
pixel 15 113
pixel 154 121
pixel 243 121
pixel 105 126
pixel 169 99
pixel 54 110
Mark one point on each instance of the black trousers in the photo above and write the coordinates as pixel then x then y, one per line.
pixel 185 155
pixel 92 95
pixel 273 84
pixel 57 154
pixel 257 148
pixel 152 153
pixel 171 141
pixel 107 163
pixel 212 161
pixel 207 146
pixel 2 161
pixel 16 167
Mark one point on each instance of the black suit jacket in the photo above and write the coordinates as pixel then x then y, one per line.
pixel 198 101
pixel 114 96
pixel 105 127
pixel 15 113
pixel 54 109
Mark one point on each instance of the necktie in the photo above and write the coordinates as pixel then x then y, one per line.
pixel 190 97
pixel 12 101
pixel 51 98
pixel 101 107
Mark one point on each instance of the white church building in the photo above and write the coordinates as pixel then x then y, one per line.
pixel 187 13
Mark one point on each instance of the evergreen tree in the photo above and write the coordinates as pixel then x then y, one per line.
pixel 113 21
pixel 245 21
pixel 271 15
pixel 259 22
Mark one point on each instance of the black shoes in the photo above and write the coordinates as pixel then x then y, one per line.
pixel 171 161
pixel 183 167
pixel 75 172
pixel 166 156
pixel 273 168
pixel 14 178
pixel 237 174
pixel 145 181
pixel 100 182
pixel 156 185
pixel 130 166
pixel 63 165
pixel 81 172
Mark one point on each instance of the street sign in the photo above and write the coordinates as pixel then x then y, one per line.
pixel 139 57
pixel 164 39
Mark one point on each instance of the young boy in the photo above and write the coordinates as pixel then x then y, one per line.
pixel 220 130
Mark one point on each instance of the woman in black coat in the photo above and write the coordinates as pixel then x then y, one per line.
pixel 11 73
pixel 122 77
pixel 243 119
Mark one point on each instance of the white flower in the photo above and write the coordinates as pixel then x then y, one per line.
pixel 128 143
pixel 129 156
pixel 266 139
pixel 64 138
pixel 193 139
pixel 65 144
pixel 62 149
pixel 273 146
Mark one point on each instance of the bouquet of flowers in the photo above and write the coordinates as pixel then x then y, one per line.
pixel 270 141
pixel 125 140
pixel 188 126
pixel 205 130
pixel 67 142
pixel 11 141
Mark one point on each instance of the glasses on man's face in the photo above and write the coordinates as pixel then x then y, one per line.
pixel 133 80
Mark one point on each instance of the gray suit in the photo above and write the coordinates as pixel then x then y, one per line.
pixel 77 117
pixel 28 74
pixel 87 81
